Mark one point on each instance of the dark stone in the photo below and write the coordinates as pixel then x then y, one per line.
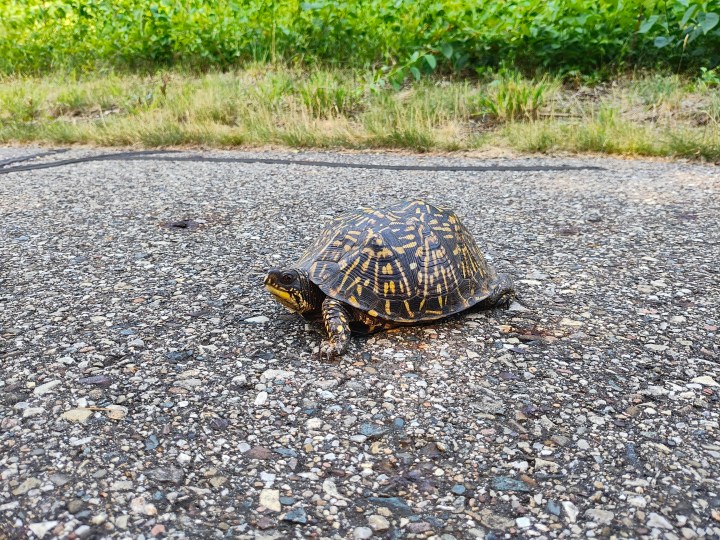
pixel 373 431
pixel 631 455
pixel 296 516
pixel 554 507
pixel 178 356
pixel 287 501
pixel 286 452
pixel 259 452
pixel 151 443
pixel 96 380
pixel 170 475
pixel 219 424
pixel 505 483
pixel 393 503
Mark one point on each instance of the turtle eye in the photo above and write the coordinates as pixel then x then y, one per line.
pixel 287 278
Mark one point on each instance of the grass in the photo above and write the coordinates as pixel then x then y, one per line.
pixel 649 115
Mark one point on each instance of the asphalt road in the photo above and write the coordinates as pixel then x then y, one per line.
pixel 149 387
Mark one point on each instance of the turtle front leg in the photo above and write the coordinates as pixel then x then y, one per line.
pixel 337 318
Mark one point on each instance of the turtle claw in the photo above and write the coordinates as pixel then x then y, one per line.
pixel 328 351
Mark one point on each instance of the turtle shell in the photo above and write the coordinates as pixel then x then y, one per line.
pixel 408 262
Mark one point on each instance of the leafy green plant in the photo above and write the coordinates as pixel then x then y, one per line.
pixel 402 40
pixel 512 97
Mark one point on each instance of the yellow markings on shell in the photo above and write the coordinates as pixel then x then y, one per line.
pixel 353 301
pixel 412 265
pixel 407 308
pixel 389 286
pixel 340 328
pixel 347 271
pixel 433 312
pixel 366 283
pixel 372 313
pixel 422 304
pixel 438 289
pixel 388 310
pixel 410 245
pixel 441 300
pixel 387 269
pixel 358 290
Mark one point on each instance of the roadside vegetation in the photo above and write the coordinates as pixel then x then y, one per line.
pixel 633 77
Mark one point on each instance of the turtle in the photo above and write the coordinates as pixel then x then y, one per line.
pixel 374 269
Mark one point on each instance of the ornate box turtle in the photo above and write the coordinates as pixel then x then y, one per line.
pixel 374 269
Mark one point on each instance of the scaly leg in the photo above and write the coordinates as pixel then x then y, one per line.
pixel 337 317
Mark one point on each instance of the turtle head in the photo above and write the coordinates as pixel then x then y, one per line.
pixel 294 290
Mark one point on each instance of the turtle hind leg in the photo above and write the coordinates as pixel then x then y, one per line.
pixel 337 318
pixel 502 291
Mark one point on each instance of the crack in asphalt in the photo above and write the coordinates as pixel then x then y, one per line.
pixel 154 155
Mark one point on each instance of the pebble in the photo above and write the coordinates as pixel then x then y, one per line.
pixel 77 415
pixel 42 528
pixel 378 522
pixel 297 515
pixel 270 499
pixel 362 533
pixel 33 411
pixel 706 380
pixel 138 505
pixel 602 517
pixel 27 485
pixel 45 388
pixel 396 504
pixel 571 511
pixel 171 475
pixel 505 483
pixel 523 522
pixel 655 521
pixel 260 319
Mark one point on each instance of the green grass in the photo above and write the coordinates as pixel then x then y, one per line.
pixel 649 115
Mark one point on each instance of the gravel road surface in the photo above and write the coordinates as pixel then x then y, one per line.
pixel 150 387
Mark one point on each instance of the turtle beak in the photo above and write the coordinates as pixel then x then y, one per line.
pixel 272 284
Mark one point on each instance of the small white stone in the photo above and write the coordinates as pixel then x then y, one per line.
pixel 638 501
pixel 139 506
pixel 273 374
pixel 33 411
pixel 77 415
pixel 330 488
pixel 362 533
pixel 45 388
pixel 601 517
pixel 657 521
pixel 655 347
pixel 184 459
pixel 270 499
pixel 314 423
pixel 261 399
pixel 378 523
pixel 260 319
pixel 42 528
pixel 571 511
pixel 706 380
pixel 523 522
pixel 268 478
